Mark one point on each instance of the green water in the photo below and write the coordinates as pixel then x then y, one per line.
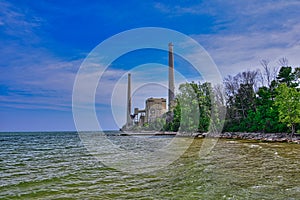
pixel 58 166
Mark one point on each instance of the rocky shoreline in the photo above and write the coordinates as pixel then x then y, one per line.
pixel 263 137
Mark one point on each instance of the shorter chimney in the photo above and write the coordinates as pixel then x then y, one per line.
pixel 128 123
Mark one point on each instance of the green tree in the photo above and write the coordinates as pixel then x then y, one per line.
pixel 157 124
pixel 245 100
pixel 240 100
pixel 203 93
pixel 288 102
pixel 297 76
pixel 286 75
pixel 176 119
pixel 173 118
pixel 266 117
pixel 188 100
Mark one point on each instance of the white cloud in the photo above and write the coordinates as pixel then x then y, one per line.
pixel 19 23
pixel 239 51
pixel 245 32
pixel 214 7
pixel 262 7
pixel 46 83
pixel 175 9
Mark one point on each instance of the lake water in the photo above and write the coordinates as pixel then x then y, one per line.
pixel 58 166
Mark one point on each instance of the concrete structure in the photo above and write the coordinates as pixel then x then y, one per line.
pixel 155 108
pixel 171 95
pixel 129 120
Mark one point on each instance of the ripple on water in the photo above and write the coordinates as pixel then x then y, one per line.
pixel 56 165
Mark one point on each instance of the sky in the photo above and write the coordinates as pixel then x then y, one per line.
pixel 43 44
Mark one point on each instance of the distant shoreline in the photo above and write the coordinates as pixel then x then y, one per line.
pixel 262 137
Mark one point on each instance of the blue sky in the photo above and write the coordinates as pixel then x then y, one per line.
pixel 43 43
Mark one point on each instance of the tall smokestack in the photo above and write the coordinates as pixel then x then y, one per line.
pixel 171 95
pixel 129 101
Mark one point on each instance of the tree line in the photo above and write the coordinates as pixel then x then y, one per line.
pixel 266 100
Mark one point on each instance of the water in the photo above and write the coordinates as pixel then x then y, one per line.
pixel 58 166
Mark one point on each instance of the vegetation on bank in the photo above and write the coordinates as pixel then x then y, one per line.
pixel 255 101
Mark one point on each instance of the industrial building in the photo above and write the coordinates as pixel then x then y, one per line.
pixel 154 107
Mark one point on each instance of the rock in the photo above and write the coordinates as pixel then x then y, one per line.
pixel 266 137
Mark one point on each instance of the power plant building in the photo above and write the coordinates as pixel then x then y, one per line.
pixel 154 107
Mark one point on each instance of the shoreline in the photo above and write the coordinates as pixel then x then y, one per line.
pixel 260 137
